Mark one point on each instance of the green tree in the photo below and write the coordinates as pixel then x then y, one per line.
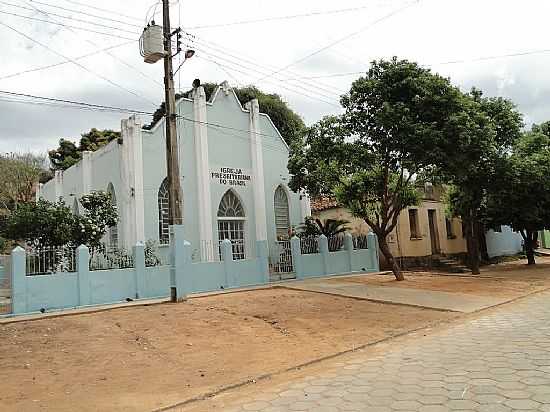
pixel 327 227
pixel 40 224
pixel 20 174
pixel 45 224
pixel 99 214
pixel 68 153
pixel 395 124
pixel 520 194
pixel 483 132
pixel 96 139
pixel 290 125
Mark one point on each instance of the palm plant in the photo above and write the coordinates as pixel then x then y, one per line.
pixel 327 227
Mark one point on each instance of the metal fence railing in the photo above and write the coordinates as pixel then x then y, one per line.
pixel 280 257
pixel 47 260
pixel 335 242
pixel 104 258
pixel 59 259
pixel 309 245
pixel 360 242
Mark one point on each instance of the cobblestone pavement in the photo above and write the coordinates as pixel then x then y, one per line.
pixel 499 361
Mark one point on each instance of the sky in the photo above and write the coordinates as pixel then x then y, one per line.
pixel 309 60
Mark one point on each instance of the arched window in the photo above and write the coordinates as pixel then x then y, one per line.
pixel 231 223
pixel 76 210
pixel 282 219
pixel 163 204
pixel 113 230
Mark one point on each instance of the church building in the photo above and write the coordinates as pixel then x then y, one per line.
pixel 234 177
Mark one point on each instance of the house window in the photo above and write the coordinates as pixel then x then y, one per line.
pixel 463 228
pixel 231 220
pixel 163 200
pixel 282 221
pixel 113 230
pixel 449 227
pixel 413 223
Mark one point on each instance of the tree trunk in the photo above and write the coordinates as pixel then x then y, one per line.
pixel 385 249
pixel 472 245
pixel 529 247
pixel 484 253
pixel 475 255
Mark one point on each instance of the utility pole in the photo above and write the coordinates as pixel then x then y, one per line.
pixel 172 161
pixel 155 43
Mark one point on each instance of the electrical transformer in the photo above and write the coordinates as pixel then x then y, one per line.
pixel 151 44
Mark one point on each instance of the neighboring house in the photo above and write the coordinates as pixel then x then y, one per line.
pixel 233 166
pixel 423 231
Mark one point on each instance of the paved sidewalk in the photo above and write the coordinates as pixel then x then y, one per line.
pixel 456 302
pixel 497 362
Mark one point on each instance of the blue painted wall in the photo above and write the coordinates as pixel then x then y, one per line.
pixel 84 287
pixel 506 242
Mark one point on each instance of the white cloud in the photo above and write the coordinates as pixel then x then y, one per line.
pixel 433 31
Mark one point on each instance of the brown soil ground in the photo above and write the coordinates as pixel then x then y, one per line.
pixel 508 280
pixel 143 358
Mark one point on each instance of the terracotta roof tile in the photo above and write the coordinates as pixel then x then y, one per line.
pixel 323 203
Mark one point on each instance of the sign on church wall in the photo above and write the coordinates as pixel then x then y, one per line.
pixel 231 176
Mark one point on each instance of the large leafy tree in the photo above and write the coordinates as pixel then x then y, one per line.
pixel 20 174
pixel 395 125
pixel 68 153
pixel 289 124
pixel 520 194
pixel 484 132
pixel 50 224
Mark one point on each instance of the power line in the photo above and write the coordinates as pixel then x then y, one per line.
pixel 309 96
pixel 76 103
pixel 226 52
pixel 341 39
pixel 277 18
pixel 449 62
pixel 65 61
pixel 76 63
pixel 101 9
pixel 66 25
pixel 325 76
pixel 64 106
pixel 69 17
pixel 114 56
pixel 248 68
pixel 247 65
pixel 502 56
pixel 50 101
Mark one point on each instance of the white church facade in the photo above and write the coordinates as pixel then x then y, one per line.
pixel 234 177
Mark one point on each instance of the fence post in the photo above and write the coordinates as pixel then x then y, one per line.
pixel 297 262
pixel 227 256
pixel 323 249
pixel 262 253
pixel 180 256
pixel 18 280
pixel 372 245
pixel 83 275
pixel 348 246
pixel 139 269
